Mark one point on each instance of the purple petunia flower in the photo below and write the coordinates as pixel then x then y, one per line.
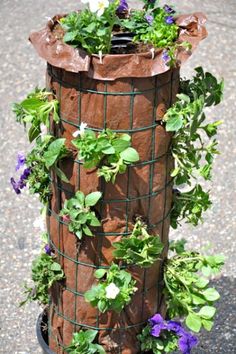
pixel 156 319
pixel 157 324
pixel 123 6
pixel 26 173
pixel 15 186
pixel 20 161
pixel 175 327
pixel 149 19
pixel 156 330
pixel 165 56
pixel 169 20
pixel 47 249
pixel 187 342
pixel 168 9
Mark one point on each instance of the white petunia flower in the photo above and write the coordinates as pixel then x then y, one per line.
pixel 98 6
pixel 112 291
pixel 81 130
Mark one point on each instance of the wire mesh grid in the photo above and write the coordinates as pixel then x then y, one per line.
pixel 127 200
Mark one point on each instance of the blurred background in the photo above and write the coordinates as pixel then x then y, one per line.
pixel 20 71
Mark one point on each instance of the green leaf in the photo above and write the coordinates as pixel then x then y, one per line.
pixel 92 198
pixel 91 335
pixel 130 155
pixel 206 271
pixel 55 266
pixel 193 322
pixel 211 294
pixel 78 233
pixel 207 324
pixel 61 175
pixel 94 221
pixel 34 132
pixel 102 306
pixel 80 197
pixel 202 283
pixel 69 36
pixel 120 145
pixel 32 104
pixel 174 123
pixel 183 97
pixel 90 295
pixel 53 152
pixel 198 300
pixel 207 312
pixel 100 273
pixel 109 150
pixel 87 230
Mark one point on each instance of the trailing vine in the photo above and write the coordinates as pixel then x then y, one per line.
pixel 193 155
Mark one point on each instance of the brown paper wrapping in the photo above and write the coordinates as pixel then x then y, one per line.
pixel 125 93
pixel 115 66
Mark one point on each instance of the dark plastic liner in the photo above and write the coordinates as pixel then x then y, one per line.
pixel 42 334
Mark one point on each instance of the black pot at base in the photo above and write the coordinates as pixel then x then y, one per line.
pixel 42 334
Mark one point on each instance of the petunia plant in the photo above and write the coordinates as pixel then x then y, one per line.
pixel 187 289
pixel 92 28
pixel 95 27
pixel 194 145
pixel 161 336
pixel 139 248
pixel 77 211
pixel 45 272
pixel 110 152
pixel 45 155
pixel 154 25
pixel 82 343
pixel 35 111
pixel 113 291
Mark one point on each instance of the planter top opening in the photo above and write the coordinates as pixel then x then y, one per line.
pixel 128 53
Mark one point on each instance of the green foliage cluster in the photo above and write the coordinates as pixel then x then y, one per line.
pixel 193 155
pixel 81 217
pixel 35 110
pixel 139 248
pixel 110 152
pixel 91 32
pixel 45 272
pixel 82 343
pixel 87 30
pixel 158 33
pixel 45 155
pixel 116 277
pixel 166 343
pixel 189 206
pixel 187 289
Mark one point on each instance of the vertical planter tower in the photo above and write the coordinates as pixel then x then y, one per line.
pixel 126 93
pixel 133 106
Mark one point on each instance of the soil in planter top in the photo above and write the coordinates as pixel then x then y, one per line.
pixel 126 48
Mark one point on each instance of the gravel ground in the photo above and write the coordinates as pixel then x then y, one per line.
pixel 21 70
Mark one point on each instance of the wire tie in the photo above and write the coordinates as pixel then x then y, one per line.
pixel 152 50
pixel 100 56
pixel 49 19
